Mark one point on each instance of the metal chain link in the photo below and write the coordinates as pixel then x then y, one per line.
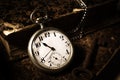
pixel 79 26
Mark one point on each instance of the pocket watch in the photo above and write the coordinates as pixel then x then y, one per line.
pixel 50 49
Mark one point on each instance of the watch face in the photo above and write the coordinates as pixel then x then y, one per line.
pixel 50 49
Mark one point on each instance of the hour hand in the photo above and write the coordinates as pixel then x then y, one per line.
pixel 52 48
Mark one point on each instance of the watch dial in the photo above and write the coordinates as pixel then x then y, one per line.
pixel 50 49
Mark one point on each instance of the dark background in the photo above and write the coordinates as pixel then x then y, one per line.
pixel 102 23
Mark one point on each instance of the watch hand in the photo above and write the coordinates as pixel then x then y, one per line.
pixel 56 58
pixel 52 48
pixel 43 59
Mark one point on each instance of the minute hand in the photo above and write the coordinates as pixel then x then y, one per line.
pixel 52 48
